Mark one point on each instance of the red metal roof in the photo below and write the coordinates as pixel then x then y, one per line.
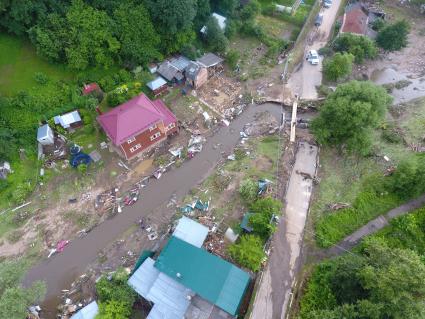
pixel 88 88
pixel 355 21
pixel 133 117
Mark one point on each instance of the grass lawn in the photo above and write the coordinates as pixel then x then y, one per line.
pixel 19 63
pixel 275 27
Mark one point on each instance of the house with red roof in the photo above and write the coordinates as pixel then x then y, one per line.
pixel 355 20
pixel 138 125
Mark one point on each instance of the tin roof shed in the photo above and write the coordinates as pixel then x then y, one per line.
pixel 156 84
pixel 190 231
pixel 209 276
pixel 88 312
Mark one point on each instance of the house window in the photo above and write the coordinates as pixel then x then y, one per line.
pixel 135 148
pixel 171 125
pixel 155 136
pixel 152 128
pixel 131 140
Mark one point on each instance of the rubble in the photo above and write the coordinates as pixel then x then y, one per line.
pixel 263 124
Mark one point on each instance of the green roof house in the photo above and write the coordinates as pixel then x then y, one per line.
pixel 209 276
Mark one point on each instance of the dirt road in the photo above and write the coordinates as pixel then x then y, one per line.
pixel 60 270
pixel 274 294
pixel 374 225
pixel 305 80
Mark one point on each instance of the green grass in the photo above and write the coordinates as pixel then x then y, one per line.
pixel 19 63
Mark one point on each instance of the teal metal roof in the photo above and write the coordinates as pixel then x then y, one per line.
pixel 211 277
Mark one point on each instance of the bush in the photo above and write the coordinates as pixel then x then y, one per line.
pixel 267 206
pixel 378 24
pixel 232 58
pixel 340 65
pixel 409 177
pixel 41 78
pixel 113 310
pixel 262 225
pixel 248 252
pixel 248 190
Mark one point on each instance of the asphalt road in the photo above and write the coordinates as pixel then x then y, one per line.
pixel 274 293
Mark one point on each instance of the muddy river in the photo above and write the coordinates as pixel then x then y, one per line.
pixel 60 270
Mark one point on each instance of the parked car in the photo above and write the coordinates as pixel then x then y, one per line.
pixel 327 3
pixel 319 20
pixel 313 57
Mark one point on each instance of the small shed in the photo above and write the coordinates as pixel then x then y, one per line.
pixel 153 67
pixel 196 75
pixel 170 72
pixel 88 312
pixel 157 86
pixel 68 120
pixel 191 231
pixel 220 20
pixel 45 135
pixel 212 62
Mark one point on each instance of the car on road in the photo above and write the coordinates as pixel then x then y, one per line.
pixel 319 19
pixel 313 57
pixel 327 3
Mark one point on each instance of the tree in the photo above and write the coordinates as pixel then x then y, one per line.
pixel 15 301
pixel 394 37
pixel 116 289
pixel 172 16
pixel 340 65
pixel 348 115
pixel 250 11
pixel 248 190
pixel 360 46
pixel 226 7
pixel 203 12
pixel 232 58
pixel 409 177
pixel 113 310
pixel 136 33
pixel 267 206
pixel 395 278
pixel 215 37
pixel 90 40
pixel 248 252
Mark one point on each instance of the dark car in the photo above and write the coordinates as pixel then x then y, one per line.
pixel 319 19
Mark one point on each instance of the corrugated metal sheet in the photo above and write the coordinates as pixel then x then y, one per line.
pixel 144 278
pixel 156 84
pixel 190 231
pixel 213 278
pixel 67 119
pixel 88 312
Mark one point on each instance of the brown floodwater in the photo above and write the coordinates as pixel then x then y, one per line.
pixel 62 269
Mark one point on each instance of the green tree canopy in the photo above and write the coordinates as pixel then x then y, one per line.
pixel 267 206
pixel 248 252
pixel 136 33
pixel 348 115
pixel 340 65
pixel 215 37
pixel 262 225
pixel 202 14
pixel 409 177
pixel 172 16
pixel 394 37
pixel 360 46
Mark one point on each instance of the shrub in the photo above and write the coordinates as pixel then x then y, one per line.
pixel 262 225
pixel 248 190
pixel 378 24
pixel 232 58
pixel 267 206
pixel 409 177
pixel 113 310
pixel 41 78
pixel 248 252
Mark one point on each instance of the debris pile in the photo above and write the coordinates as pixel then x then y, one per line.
pixel 75 298
pixel 197 204
pixel 106 201
pixel 338 206
pixel 215 244
pixel 265 123
pixel 195 145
